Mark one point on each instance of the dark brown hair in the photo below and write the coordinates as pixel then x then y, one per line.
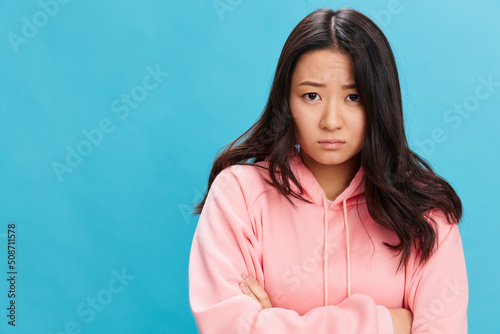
pixel 400 186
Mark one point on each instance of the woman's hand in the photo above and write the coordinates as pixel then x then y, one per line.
pixel 402 320
pixel 251 287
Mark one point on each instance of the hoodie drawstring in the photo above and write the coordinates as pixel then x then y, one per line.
pixel 325 254
pixel 348 279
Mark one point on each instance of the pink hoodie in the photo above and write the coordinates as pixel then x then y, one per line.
pixel 323 265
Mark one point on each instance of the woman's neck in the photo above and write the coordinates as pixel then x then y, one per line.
pixel 334 179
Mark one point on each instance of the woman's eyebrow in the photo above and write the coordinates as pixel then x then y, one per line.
pixel 318 84
pixel 349 86
pixel 310 83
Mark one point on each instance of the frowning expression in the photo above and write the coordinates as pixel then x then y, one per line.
pixel 328 111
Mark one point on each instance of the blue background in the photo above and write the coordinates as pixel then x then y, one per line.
pixel 125 206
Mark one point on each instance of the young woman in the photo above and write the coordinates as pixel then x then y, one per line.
pixel 320 219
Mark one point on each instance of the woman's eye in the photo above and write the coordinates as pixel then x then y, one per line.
pixel 353 97
pixel 311 96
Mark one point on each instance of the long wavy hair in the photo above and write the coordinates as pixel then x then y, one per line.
pixel 400 186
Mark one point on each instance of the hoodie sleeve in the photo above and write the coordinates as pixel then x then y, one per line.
pixel 438 291
pixel 225 246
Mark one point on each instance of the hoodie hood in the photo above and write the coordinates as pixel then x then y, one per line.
pixel 312 188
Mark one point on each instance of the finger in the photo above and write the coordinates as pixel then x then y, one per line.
pixel 258 291
pixel 246 290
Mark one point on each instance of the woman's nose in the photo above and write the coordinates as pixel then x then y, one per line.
pixel 332 117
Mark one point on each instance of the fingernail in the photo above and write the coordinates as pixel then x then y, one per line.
pixel 244 286
pixel 244 276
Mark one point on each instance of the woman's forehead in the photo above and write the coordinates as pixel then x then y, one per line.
pixel 322 67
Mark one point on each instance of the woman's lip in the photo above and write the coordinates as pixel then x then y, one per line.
pixel 332 141
pixel 331 145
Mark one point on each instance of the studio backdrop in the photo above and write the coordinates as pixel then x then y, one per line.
pixel 111 113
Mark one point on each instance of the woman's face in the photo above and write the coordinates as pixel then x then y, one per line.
pixel 327 110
